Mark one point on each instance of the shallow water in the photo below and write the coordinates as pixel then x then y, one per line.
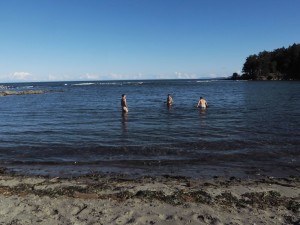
pixel 79 126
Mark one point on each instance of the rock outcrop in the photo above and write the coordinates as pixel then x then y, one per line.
pixel 29 92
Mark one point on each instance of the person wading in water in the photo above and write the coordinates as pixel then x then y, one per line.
pixel 124 105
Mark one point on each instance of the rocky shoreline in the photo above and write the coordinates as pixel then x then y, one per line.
pixel 28 92
pixel 119 199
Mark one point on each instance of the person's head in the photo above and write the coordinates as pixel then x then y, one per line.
pixel 123 96
pixel 201 98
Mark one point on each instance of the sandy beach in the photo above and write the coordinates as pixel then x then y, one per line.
pixel 119 199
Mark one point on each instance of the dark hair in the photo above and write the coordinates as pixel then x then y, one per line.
pixel 123 95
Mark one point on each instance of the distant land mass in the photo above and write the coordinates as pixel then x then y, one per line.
pixel 280 64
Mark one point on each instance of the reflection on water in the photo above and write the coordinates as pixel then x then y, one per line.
pixel 202 113
pixel 124 122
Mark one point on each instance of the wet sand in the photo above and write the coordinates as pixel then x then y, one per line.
pixel 120 199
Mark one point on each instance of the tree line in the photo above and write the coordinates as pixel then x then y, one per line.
pixel 280 64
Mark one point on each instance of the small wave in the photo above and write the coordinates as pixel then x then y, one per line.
pixel 83 84
pixel 134 83
pixel 209 81
pixel 5 87
pixel 205 81
pixel 108 83
pixel 212 80
pixel 27 87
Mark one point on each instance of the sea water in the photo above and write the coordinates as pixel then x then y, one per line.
pixel 78 127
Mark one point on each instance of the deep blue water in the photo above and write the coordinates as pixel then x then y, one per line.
pixel 78 126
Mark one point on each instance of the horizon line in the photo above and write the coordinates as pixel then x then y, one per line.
pixel 145 79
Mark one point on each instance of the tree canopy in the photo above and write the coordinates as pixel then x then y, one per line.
pixel 280 64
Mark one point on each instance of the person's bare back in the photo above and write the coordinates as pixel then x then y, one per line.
pixel 202 103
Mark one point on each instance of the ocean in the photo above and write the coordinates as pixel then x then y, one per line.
pixel 250 128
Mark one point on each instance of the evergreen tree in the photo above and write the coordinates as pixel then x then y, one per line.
pixel 280 64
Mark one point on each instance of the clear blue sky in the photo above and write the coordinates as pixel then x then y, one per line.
pixel 44 40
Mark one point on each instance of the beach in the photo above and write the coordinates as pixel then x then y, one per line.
pixel 69 156
pixel 122 199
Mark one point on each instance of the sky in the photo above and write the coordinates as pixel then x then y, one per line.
pixel 64 40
